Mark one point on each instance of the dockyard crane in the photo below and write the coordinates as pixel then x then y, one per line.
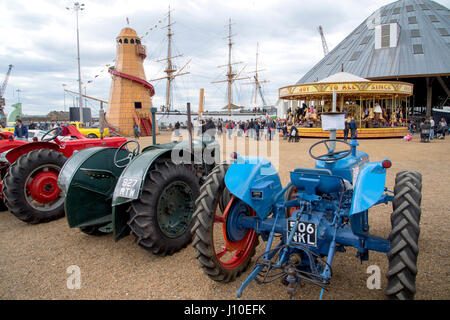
pixel 324 42
pixel 2 92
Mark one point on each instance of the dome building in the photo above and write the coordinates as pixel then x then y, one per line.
pixel 407 40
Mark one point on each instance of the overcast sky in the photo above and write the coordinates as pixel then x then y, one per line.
pixel 39 38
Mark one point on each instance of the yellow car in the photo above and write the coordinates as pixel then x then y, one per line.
pixel 89 132
pixel 9 129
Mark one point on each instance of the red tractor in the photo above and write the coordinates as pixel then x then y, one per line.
pixel 29 171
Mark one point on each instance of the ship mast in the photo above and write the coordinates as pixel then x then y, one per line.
pixel 257 82
pixel 170 68
pixel 231 77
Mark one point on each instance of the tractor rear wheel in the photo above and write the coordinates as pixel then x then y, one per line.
pixel 290 195
pixel 161 219
pixel 30 186
pixel 231 257
pixel 404 237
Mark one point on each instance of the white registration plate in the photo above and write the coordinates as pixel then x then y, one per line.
pixel 306 233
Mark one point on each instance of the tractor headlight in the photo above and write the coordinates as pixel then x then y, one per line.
pixel 355 173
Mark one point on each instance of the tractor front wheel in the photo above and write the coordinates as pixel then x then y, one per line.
pixel 404 237
pixel 161 219
pixel 30 186
pixel 223 251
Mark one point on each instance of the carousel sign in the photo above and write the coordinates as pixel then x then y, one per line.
pixel 302 91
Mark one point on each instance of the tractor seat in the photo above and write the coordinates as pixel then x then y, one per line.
pixel 323 172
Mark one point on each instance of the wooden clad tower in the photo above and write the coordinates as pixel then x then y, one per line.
pixel 130 96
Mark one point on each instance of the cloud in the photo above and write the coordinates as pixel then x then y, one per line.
pixel 39 39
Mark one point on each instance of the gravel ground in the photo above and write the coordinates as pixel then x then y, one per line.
pixel 34 258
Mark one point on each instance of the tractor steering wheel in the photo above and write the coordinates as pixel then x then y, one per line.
pixel 130 155
pixel 57 133
pixel 331 156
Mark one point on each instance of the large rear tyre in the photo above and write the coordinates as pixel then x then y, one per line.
pixel 404 237
pixel 161 219
pixel 221 263
pixel 30 186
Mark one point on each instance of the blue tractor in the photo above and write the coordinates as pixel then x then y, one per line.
pixel 320 212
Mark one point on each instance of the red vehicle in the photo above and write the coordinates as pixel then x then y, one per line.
pixel 29 172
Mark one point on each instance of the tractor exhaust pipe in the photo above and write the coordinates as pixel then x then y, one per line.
pixel 190 133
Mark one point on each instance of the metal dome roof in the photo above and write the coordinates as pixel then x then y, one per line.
pixel 423 46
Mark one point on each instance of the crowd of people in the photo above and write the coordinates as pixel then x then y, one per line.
pixel 256 129
pixel 438 130
pixel 21 129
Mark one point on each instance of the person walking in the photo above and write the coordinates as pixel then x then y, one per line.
pixel 293 134
pixel 353 128
pixel 442 129
pixel 256 127
pixel 346 128
pixel 137 131
pixel 177 129
pixel 32 125
pixel 219 129
pixel 230 128
pixel 432 128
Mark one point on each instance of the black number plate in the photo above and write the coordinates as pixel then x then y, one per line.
pixel 128 188
pixel 306 233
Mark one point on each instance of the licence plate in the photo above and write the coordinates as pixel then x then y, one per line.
pixel 127 188
pixel 306 233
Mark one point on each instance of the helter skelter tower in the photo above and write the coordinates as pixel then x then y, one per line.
pixel 131 95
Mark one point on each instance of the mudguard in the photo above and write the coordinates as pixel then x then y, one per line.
pixel 369 187
pixel 88 182
pixel 256 182
pixel 131 181
pixel 129 187
pixel 14 154
pixel 6 145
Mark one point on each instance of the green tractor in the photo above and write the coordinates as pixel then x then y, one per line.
pixel 149 194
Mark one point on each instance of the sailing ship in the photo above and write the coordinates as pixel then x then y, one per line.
pixel 168 115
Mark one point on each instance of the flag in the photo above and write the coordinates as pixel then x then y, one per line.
pixel 128 21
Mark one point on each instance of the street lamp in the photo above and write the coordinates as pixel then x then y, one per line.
pixel 64 89
pixel 76 7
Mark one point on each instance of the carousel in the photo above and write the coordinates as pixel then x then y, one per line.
pixel 379 108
